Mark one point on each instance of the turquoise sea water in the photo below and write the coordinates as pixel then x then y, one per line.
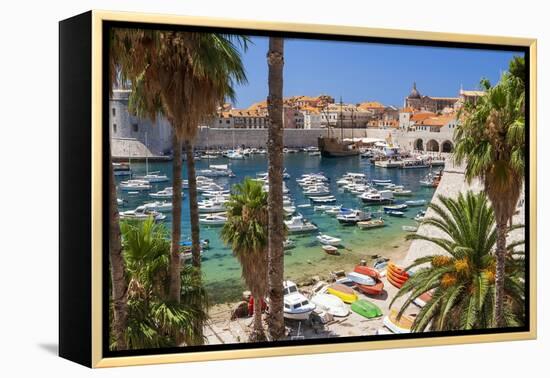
pixel 222 271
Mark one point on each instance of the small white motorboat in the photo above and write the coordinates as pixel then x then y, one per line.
pixel 326 207
pixel 413 203
pixel 213 219
pixel 154 177
pixel 361 279
pixel 298 224
pixel 211 207
pixel 221 170
pixel 323 199
pixel 373 223
pixel 331 304
pixel 296 305
pixel 330 249
pixel 289 210
pixel 352 217
pixel 328 240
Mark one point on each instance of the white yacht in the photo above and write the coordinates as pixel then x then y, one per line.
pixel 213 219
pixel 353 216
pixel 159 206
pixel 211 207
pixel 221 170
pixel 141 213
pixel 377 197
pixel 165 193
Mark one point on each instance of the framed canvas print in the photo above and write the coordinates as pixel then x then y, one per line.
pixel 234 189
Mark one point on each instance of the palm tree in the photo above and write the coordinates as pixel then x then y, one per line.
pixel 275 61
pixel 183 76
pixel 246 231
pixel 491 141
pixel 153 318
pixel 462 281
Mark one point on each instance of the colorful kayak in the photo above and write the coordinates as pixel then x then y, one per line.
pixel 403 325
pixel 343 292
pixel 375 289
pixel 367 309
pixel 367 270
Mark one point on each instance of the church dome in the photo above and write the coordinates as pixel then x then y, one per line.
pixel 414 93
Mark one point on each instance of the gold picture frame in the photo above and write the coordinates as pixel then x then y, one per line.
pixel 97 236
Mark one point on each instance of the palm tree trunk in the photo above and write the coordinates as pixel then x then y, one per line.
pixel 193 205
pixel 195 228
pixel 175 279
pixel 258 333
pixel 500 272
pixel 275 61
pixel 118 276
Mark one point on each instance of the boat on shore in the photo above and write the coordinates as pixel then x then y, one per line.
pixel 296 305
pixel 375 289
pixel 366 309
pixel 361 279
pixel 367 270
pixel 330 304
pixel 401 325
pixel 343 292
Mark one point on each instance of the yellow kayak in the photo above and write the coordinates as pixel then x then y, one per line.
pixel 343 292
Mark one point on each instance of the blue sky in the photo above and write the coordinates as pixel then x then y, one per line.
pixel 367 72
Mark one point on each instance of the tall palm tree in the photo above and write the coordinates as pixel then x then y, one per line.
pixel 275 61
pixel 491 141
pixel 462 281
pixel 183 76
pixel 154 319
pixel 246 231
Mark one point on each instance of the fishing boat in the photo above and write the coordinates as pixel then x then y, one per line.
pixel 399 207
pixel 296 305
pixel 330 304
pixel 403 325
pixel 375 289
pixel 378 197
pixel 323 199
pixel 141 213
pixel 343 292
pixel 352 217
pixel 395 213
pixel 367 271
pixel 297 224
pixel 415 203
pixel 361 279
pixel 159 206
pixel 328 240
pixel 366 309
pixel 373 223
pixel 330 249
pixel 213 219
pixel 134 185
pixel 409 228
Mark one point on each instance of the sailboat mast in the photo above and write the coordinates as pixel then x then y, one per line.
pixel 146 156
pixel 341 122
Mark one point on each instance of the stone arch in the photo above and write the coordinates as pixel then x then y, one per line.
pixel 447 146
pixel 432 145
pixel 419 144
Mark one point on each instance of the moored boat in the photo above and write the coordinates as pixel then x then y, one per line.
pixel 415 203
pixel 328 240
pixel 394 213
pixel 330 249
pixel 373 223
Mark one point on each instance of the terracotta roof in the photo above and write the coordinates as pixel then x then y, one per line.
pixel 439 121
pixel 419 117
pixel 371 104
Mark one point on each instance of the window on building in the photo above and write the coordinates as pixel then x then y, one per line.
pixel 114 112
pixel 227 122
pixel 114 128
pixel 220 121
pixel 135 127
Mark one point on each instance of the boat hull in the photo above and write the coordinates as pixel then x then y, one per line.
pixel 375 289
pixel 343 292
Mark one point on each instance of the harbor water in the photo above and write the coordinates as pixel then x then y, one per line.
pixel 221 270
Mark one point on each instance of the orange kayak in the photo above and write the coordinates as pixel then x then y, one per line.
pixel 397 284
pixel 397 277
pixel 367 270
pixel 397 270
pixel 375 289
